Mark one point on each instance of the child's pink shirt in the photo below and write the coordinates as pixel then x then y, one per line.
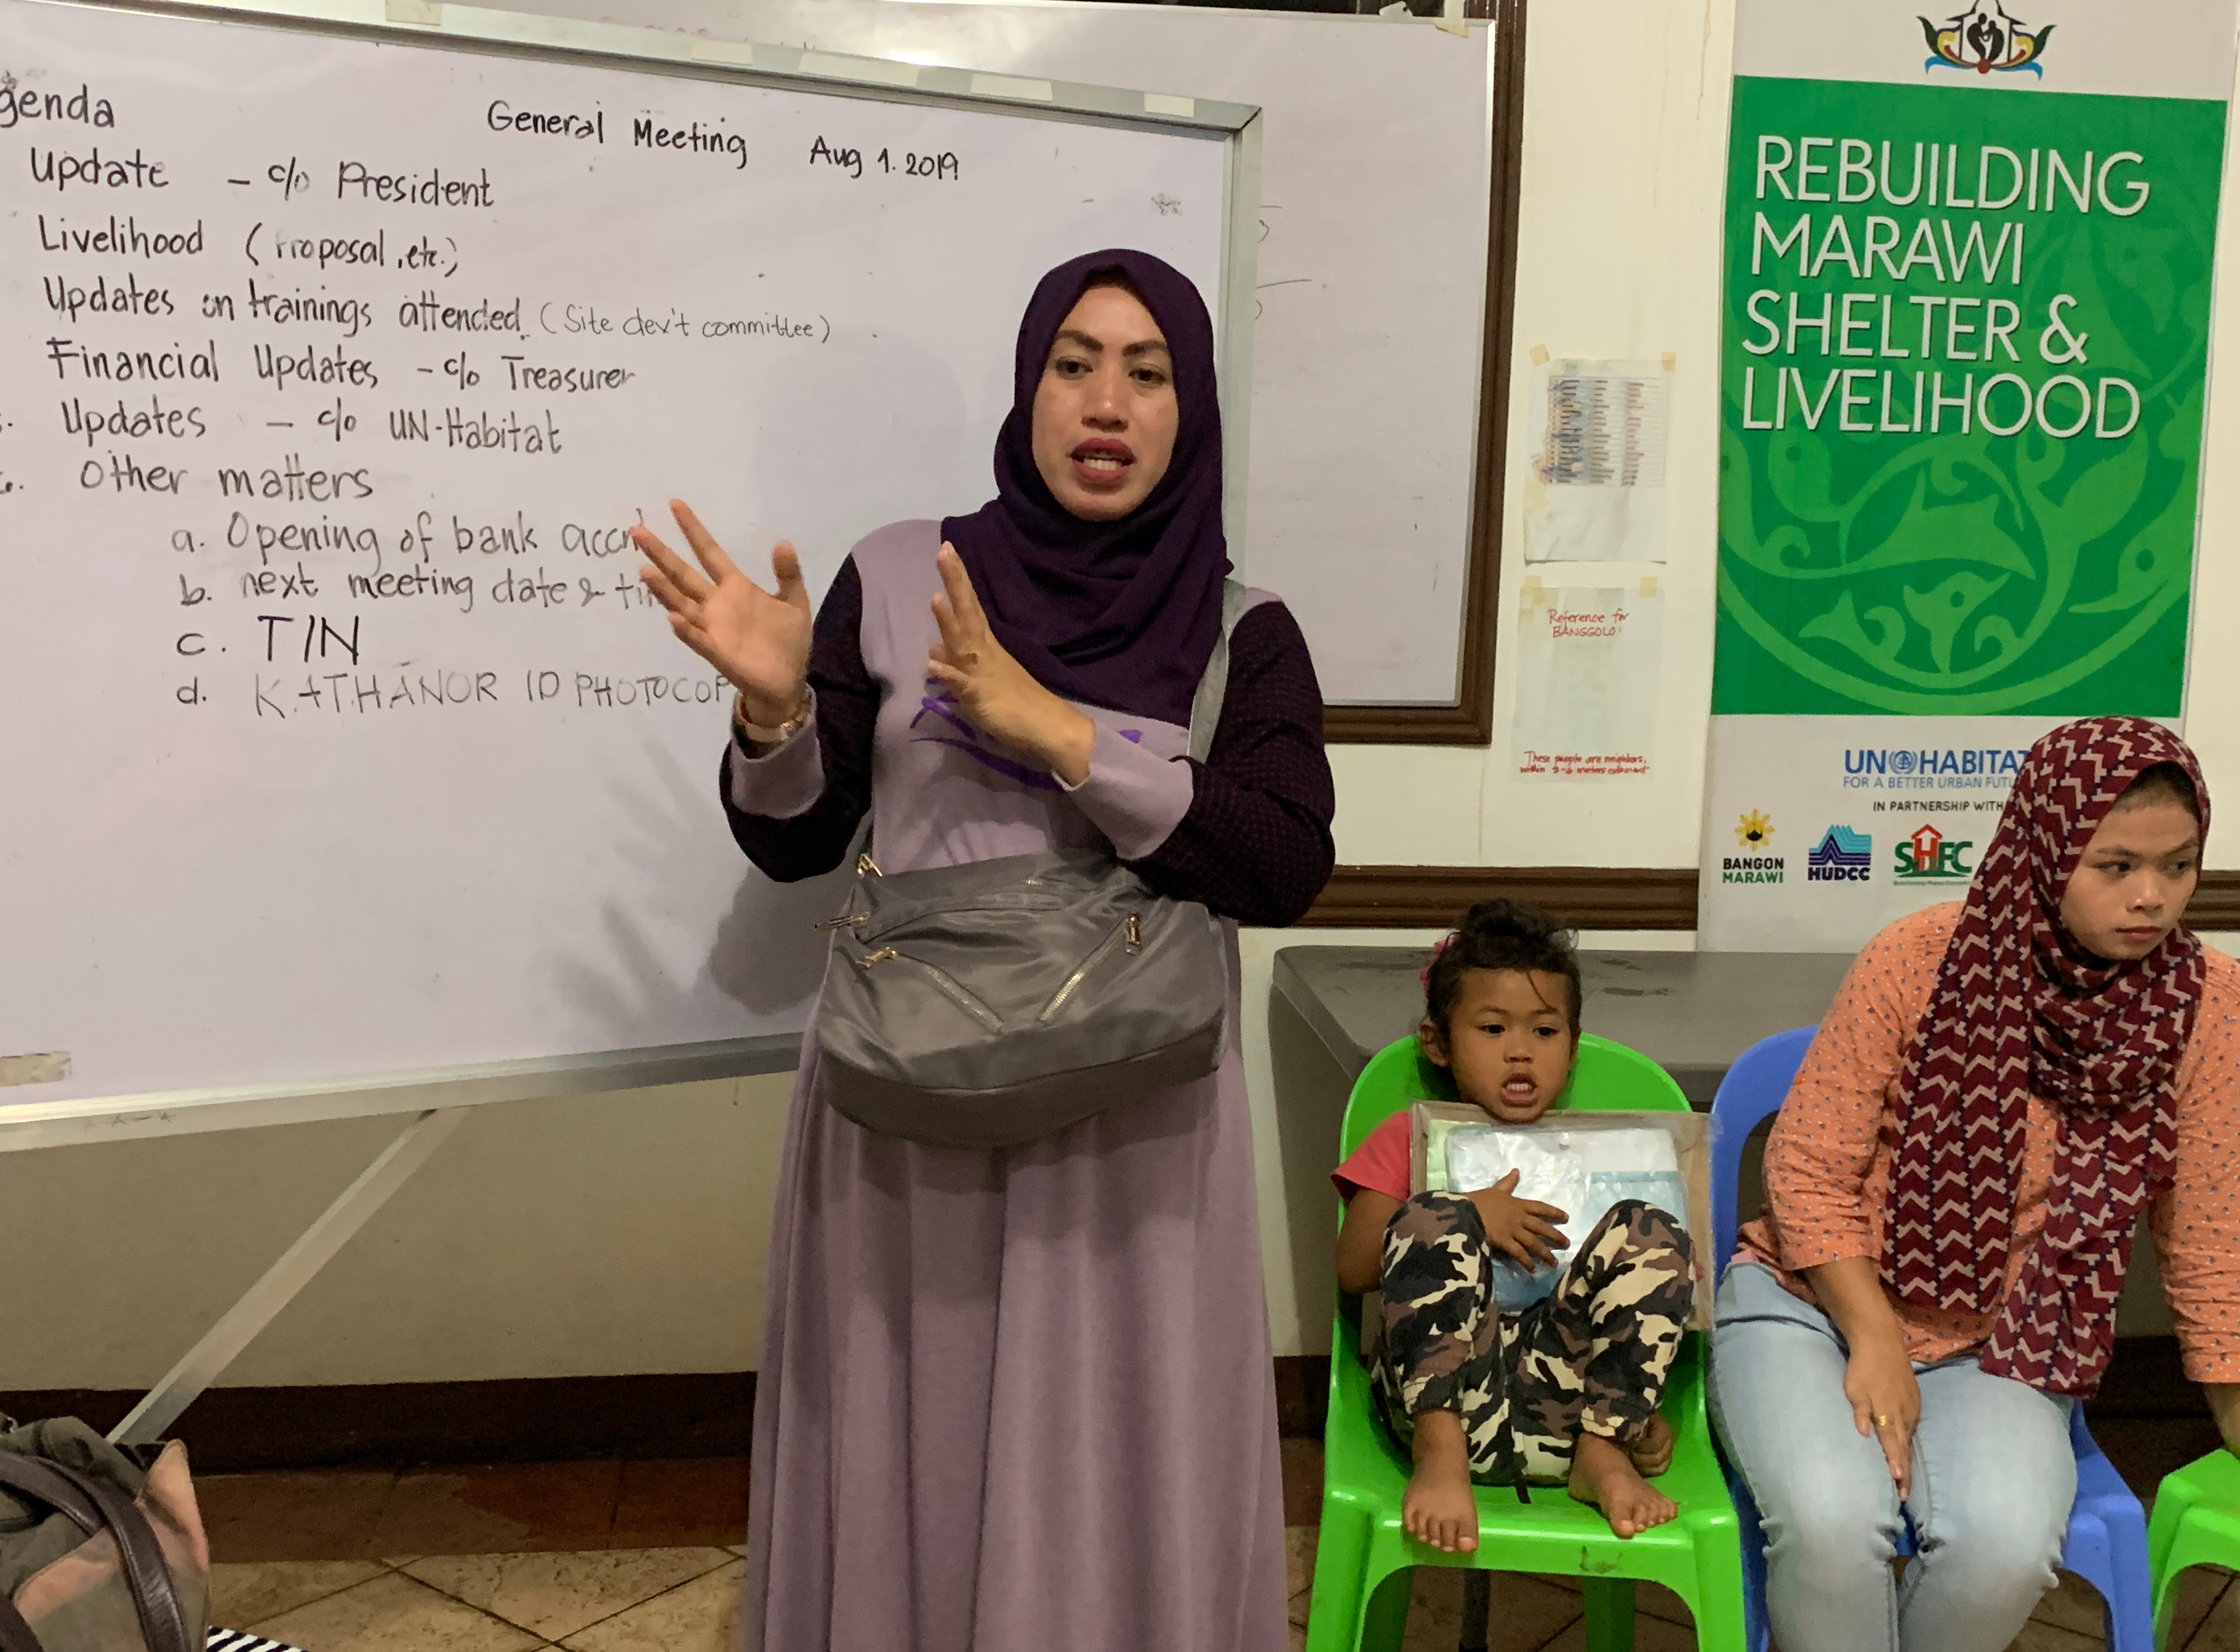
pixel 1383 1163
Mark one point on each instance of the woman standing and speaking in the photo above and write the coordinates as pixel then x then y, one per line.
pixel 1020 1398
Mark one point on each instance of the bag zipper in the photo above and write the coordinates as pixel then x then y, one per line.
pixel 865 867
pixel 942 979
pixel 1129 931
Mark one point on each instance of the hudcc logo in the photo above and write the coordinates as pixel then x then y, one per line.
pixel 1929 856
pixel 1845 855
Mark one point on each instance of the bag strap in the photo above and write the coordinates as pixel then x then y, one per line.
pixel 42 1482
pixel 154 1595
pixel 1213 687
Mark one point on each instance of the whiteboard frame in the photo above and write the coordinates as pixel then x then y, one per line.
pixel 1467 719
pixel 25 1126
pixel 28 1123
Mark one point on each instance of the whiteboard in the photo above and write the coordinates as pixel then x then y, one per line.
pixel 1377 176
pixel 339 739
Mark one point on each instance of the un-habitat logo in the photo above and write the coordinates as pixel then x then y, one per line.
pixel 1985 39
pixel 1754 832
pixel 1843 855
pixel 1929 856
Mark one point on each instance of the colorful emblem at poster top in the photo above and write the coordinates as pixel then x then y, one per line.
pixel 1985 39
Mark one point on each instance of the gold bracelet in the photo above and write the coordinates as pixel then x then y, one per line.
pixel 757 734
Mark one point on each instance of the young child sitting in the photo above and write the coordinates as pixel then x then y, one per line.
pixel 1566 1389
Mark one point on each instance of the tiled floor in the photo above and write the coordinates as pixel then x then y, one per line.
pixel 644 1557
pixel 608 1600
pixel 638 1557
pixel 504 1508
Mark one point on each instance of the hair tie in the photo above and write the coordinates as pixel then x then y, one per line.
pixel 1439 948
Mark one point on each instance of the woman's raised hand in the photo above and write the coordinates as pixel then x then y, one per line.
pixel 996 691
pixel 757 638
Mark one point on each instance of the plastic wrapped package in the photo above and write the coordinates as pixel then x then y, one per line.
pixel 1581 1169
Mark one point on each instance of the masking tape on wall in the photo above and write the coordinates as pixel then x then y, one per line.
pixel 49 1069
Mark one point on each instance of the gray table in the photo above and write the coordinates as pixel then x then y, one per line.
pixel 1692 1012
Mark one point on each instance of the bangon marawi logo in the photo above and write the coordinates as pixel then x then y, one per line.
pixel 1754 831
pixel 1985 39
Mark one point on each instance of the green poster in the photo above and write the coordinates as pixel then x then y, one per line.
pixel 1964 362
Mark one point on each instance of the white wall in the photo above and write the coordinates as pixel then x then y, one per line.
pixel 592 1235
pixel 1618 237
pixel 2212 687
pixel 604 1234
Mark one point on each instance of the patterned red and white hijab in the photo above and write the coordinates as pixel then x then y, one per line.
pixel 2020 1009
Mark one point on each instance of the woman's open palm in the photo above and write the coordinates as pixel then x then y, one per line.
pixel 757 638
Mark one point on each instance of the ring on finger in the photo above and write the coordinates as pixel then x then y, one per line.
pixel 969 657
pixel 1883 1419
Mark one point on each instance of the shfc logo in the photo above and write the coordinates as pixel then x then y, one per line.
pixel 1754 831
pixel 1985 39
pixel 1929 856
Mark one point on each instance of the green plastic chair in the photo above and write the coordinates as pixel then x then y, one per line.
pixel 1364 1560
pixel 2195 1523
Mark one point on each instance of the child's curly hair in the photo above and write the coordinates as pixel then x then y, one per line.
pixel 1501 935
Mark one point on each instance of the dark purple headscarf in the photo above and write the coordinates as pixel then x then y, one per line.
pixel 1118 614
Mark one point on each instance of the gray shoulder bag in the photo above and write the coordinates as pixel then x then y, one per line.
pixel 988 1004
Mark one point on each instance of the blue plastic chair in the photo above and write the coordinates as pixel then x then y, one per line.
pixel 2106 1543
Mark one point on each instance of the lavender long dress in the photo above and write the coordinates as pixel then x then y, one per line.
pixel 1022 1399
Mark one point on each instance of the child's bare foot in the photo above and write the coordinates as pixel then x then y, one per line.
pixel 1439 1507
pixel 1603 1474
pixel 1652 1453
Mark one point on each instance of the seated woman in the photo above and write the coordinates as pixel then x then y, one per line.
pixel 2000 1089
pixel 1567 1389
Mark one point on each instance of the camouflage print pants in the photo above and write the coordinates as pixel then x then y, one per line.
pixel 1590 1356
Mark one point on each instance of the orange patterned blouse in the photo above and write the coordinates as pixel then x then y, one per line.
pixel 1827 1161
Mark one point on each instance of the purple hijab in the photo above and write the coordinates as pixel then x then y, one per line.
pixel 1122 614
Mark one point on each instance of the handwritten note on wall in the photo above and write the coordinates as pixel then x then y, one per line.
pixel 1587 658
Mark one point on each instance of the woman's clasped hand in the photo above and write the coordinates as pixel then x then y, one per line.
pixel 994 690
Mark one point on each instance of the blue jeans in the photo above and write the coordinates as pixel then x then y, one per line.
pixel 1993 1479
